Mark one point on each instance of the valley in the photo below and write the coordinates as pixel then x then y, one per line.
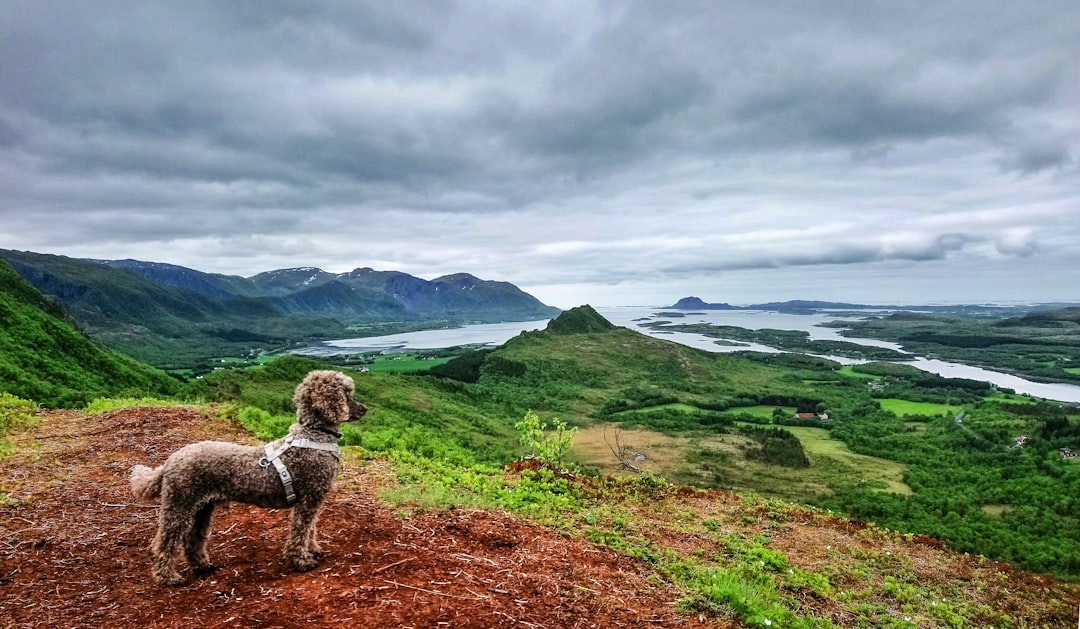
pixel 915 454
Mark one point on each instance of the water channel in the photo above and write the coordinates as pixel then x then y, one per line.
pixel 633 317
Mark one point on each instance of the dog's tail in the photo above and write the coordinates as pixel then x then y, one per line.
pixel 146 482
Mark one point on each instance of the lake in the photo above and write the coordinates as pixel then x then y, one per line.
pixel 493 334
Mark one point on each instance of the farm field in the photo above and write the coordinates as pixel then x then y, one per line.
pixel 404 363
pixel 847 370
pixel 905 407
pixel 818 445
pixel 763 411
pixel 720 460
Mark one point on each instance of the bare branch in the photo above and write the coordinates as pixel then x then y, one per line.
pixel 618 451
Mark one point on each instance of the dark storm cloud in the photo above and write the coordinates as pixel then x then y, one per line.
pixel 545 141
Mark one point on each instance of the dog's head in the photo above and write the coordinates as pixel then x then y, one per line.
pixel 326 398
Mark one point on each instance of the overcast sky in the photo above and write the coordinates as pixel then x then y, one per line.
pixel 609 153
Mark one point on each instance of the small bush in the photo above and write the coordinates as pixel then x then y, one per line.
pixel 15 412
pixel 263 425
pixel 548 448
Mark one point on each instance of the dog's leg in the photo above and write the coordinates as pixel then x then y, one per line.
pixel 297 551
pixel 195 546
pixel 173 528
pixel 312 541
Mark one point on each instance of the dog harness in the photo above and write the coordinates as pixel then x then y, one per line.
pixel 273 457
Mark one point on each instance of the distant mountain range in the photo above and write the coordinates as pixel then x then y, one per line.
pixel 151 309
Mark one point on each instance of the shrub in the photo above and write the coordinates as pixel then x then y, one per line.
pixel 548 448
pixel 15 412
pixel 262 424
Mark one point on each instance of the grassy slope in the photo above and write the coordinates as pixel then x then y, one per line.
pixel 736 561
pixel 573 373
pixel 44 358
pixel 594 367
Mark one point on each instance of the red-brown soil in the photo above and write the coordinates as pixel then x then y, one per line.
pixel 73 550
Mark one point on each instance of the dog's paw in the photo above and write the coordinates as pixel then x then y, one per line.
pixel 205 568
pixel 304 563
pixel 170 580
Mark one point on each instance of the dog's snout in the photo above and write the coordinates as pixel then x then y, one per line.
pixel 356 410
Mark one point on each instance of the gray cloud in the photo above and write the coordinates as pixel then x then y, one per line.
pixel 558 144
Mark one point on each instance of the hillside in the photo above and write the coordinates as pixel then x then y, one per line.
pixel 43 357
pixel 538 551
pixel 172 316
pixel 889 451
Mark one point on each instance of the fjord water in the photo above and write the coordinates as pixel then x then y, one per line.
pixel 633 317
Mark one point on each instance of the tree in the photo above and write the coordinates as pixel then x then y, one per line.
pixel 548 448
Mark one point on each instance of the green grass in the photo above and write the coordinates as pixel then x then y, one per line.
pixel 762 411
pixel 1073 370
pixel 904 407
pixel 673 406
pixel 847 370
pixel 735 570
pixel 868 469
pixel 104 405
pixel 15 412
pixel 404 363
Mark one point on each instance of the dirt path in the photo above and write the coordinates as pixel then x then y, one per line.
pixel 73 550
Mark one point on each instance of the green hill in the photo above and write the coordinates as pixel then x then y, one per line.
pixel 580 320
pixel 44 358
pixel 891 453
pixel 916 478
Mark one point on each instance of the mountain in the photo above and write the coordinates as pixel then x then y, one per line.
pixel 695 303
pixel 210 284
pixel 43 357
pixel 892 453
pixel 170 315
pixel 579 320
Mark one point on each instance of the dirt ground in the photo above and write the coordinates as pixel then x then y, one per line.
pixel 73 550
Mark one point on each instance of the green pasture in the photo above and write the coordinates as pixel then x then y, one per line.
pixel 847 370
pixel 403 363
pixel 825 452
pixel 762 410
pixel 905 407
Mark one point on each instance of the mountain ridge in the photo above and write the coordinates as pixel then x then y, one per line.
pixel 148 309
pixel 46 358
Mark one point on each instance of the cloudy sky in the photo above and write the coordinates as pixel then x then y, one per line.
pixel 590 152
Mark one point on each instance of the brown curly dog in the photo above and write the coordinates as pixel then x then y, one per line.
pixel 295 471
